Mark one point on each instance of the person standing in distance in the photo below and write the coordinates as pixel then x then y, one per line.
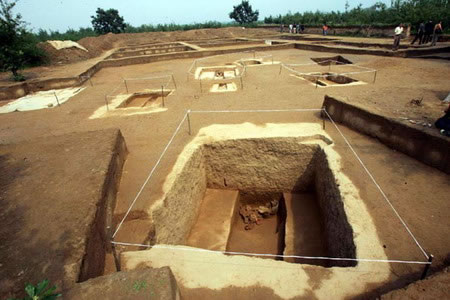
pixel 397 37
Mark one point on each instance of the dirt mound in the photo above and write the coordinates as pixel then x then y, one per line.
pixel 98 45
pixel 63 56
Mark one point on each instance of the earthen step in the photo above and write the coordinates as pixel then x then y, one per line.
pixel 304 234
pixel 213 224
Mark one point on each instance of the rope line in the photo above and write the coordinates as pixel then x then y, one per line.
pixel 256 110
pixel 150 174
pixel 378 186
pixel 273 255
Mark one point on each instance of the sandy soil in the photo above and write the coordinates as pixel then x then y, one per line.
pixel 408 183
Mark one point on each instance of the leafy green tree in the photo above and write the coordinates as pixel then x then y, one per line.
pixel 244 14
pixel 106 21
pixel 17 45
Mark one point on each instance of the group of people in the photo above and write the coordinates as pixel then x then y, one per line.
pixel 426 33
pixel 294 28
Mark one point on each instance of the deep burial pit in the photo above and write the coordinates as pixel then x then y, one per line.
pixel 144 99
pixel 332 60
pixel 265 196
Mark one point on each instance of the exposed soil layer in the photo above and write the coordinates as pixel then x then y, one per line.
pixel 56 207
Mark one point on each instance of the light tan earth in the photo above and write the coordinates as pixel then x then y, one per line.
pixel 418 192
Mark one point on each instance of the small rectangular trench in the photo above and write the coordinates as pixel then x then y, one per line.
pixel 329 79
pixel 217 73
pixel 141 100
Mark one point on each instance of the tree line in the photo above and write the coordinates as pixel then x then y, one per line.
pixel 18 44
pixel 400 11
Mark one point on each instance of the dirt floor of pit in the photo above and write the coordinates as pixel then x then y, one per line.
pixel 407 182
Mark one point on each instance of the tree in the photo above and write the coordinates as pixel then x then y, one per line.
pixel 244 14
pixel 108 21
pixel 17 45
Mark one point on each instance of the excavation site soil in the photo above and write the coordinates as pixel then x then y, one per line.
pixel 227 163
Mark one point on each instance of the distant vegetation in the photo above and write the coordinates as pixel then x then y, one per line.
pixel 244 14
pixel 18 45
pixel 400 11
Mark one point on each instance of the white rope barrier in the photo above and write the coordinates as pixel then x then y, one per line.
pixel 378 186
pixel 272 255
pixel 320 75
pixel 151 173
pixel 255 110
pixel 147 78
pixel 186 116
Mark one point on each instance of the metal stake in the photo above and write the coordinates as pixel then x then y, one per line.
pixel 281 68
pixel 116 258
pixel 57 100
pixel 242 83
pixel 323 123
pixel 162 95
pixel 375 77
pixel 106 101
pixel 425 271
pixel 189 121
pixel 174 83
pixel 126 86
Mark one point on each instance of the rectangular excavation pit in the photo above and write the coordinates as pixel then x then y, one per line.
pixel 144 99
pixel 310 220
pixel 217 72
pixel 329 79
pixel 223 87
pixel 332 60
pixel 250 62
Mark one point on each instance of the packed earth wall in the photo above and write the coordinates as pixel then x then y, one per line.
pixel 431 149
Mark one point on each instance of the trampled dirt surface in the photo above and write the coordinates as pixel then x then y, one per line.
pixel 418 192
pixel 50 191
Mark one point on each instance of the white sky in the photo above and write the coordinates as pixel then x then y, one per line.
pixel 64 14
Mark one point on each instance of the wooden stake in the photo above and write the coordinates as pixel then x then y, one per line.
pixel 427 267
pixel 189 122
pixel 57 100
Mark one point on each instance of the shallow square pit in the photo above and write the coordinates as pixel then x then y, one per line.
pixel 223 87
pixel 144 99
pixel 217 72
pixel 326 79
pixel 331 60
pixel 250 62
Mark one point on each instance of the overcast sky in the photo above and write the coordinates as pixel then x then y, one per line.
pixel 64 14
